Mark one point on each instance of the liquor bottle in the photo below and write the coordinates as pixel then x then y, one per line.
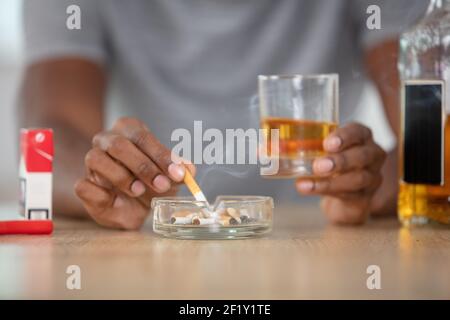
pixel 424 144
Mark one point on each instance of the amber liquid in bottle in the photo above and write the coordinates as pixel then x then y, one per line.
pixel 421 204
pixel 300 142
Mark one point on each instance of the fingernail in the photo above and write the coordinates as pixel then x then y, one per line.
pixel 324 165
pixel 138 188
pixel 161 183
pixel 333 143
pixel 305 186
pixel 176 171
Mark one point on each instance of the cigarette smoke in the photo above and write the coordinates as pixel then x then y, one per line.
pixel 241 171
pixel 228 169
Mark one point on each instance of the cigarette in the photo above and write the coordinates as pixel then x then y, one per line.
pixel 221 212
pixel 234 214
pixel 193 187
pixel 181 220
pixel 245 218
pixel 234 221
pixel 183 217
pixel 196 192
pixel 203 221
pixel 26 227
pixel 224 221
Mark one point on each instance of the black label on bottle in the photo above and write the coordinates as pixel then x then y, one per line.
pixel 423 125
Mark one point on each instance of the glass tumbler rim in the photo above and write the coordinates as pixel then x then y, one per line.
pixel 331 76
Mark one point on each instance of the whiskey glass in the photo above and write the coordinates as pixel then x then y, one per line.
pixel 305 110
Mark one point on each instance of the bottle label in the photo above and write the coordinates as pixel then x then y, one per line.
pixel 423 132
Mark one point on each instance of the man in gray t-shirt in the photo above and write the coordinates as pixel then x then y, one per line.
pixel 177 61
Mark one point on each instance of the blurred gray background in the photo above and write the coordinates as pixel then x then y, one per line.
pixel 10 72
pixel 11 66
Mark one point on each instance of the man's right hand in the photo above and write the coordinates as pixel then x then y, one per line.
pixel 125 168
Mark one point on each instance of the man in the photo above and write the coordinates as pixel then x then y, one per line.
pixel 180 61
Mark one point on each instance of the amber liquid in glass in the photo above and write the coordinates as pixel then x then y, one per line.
pixel 420 204
pixel 300 142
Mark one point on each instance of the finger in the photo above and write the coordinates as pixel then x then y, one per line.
pixel 358 157
pixel 186 163
pixel 105 168
pixel 123 150
pixel 138 134
pixel 147 197
pixel 99 180
pixel 97 202
pixel 355 181
pixel 92 195
pixel 192 169
pixel 347 136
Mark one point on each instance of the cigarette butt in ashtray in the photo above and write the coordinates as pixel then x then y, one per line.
pixel 220 212
pixel 226 221
pixel 234 214
pixel 186 217
pixel 203 221
pixel 228 216
pixel 196 191
pixel 244 216
pixel 181 220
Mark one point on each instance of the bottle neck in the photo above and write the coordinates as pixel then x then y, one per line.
pixel 438 5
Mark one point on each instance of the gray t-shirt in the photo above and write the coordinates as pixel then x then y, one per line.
pixel 176 61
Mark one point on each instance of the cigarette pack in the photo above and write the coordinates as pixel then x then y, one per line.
pixel 35 172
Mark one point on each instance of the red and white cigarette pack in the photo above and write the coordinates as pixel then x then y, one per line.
pixel 35 171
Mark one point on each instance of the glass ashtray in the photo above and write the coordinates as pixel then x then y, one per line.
pixel 230 217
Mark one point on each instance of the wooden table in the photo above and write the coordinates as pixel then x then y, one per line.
pixel 304 257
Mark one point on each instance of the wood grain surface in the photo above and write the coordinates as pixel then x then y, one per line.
pixel 303 258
